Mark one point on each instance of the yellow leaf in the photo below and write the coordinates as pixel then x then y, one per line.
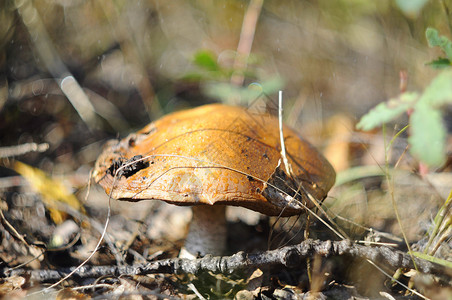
pixel 52 190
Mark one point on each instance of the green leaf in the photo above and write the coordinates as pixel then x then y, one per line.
pixel 226 91
pixel 221 90
pixel 206 60
pixel 387 111
pixel 439 92
pixel 433 259
pixel 441 41
pixel 428 135
pixel 440 63
pixel 272 85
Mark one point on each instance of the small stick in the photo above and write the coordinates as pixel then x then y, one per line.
pixel 289 256
pixel 195 290
pixel 281 136
pixel 246 41
pixel 22 149
pixel 11 229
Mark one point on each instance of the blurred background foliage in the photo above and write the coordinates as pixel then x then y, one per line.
pixel 134 61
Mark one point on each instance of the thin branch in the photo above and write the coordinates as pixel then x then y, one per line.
pixel 195 290
pixel 50 57
pixel 398 281
pixel 246 40
pixel 22 149
pixel 287 166
pixel 99 242
pixel 289 256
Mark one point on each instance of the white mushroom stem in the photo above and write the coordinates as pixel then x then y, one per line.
pixel 207 233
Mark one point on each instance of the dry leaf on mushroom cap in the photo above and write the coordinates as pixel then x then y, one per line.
pixel 215 155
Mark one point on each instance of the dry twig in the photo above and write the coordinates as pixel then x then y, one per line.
pixel 22 149
pixel 289 256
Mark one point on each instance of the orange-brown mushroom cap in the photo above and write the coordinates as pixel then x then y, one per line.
pixel 216 154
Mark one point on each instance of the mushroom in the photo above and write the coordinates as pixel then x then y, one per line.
pixel 210 157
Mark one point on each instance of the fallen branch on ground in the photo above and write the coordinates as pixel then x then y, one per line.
pixel 289 256
pixel 22 149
